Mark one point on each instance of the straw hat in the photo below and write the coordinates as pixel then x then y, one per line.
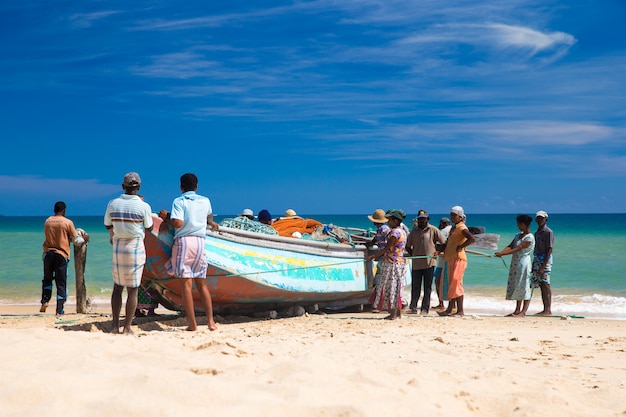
pixel 378 216
pixel 290 213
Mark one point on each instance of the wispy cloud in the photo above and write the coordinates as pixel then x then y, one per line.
pixel 79 189
pixel 87 20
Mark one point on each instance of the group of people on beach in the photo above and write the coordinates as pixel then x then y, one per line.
pixel 128 217
pixel 435 253
pixel 440 254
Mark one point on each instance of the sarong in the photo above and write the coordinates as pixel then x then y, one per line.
pixel 129 258
pixel 188 258
pixel 455 278
pixel 387 294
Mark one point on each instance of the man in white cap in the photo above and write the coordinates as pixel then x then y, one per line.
pixel 542 261
pixel 127 217
pixel 248 213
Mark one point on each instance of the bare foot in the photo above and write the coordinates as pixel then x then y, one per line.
pixel 544 313
pixel 212 326
pixel 128 332
pixel 458 314
pixel 390 317
pixel 439 307
pixel 191 329
pixel 515 313
pixel 114 330
pixel 520 314
pixel 444 313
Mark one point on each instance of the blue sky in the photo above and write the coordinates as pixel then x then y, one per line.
pixel 326 107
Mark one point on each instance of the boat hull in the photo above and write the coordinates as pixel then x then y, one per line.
pixel 253 271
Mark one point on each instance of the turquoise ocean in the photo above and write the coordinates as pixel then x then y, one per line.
pixel 588 276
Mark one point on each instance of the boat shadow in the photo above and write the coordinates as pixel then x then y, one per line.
pixel 160 323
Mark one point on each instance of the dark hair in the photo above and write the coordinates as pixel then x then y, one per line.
pixel 524 219
pixel 59 206
pixel 189 182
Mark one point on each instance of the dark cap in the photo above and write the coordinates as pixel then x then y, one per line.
pixel 264 215
pixel 422 214
pixel 131 180
pixel 444 220
pixel 396 213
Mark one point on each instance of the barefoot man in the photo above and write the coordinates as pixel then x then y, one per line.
pixel 190 215
pixel 128 217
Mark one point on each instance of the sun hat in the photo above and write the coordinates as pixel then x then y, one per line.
pixel 290 213
pixel 396 213
pixel 378 216
pixel 541 213
pixel 131 179
pixel 422 214
pixel 247 212
pixel 458 210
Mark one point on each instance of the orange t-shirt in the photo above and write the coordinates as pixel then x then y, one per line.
pixel 455 239
pixel 59 231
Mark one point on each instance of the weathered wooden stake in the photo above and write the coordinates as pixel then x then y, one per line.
pixel 80 259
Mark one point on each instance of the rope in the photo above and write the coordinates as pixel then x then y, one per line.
pixel 306 267
pixel 271 271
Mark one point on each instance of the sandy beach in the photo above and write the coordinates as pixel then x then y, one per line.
pixel 352 364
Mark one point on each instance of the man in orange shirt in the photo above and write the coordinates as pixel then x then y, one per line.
pixel 59 232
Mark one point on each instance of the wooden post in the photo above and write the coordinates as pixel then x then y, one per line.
pixel 80 259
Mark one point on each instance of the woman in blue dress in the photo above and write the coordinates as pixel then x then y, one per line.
pixel 520 272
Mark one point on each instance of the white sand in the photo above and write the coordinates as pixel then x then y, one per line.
pixel 317 365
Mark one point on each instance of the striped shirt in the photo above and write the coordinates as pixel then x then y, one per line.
pixel 129 216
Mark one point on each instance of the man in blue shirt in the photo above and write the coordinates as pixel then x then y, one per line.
pixel 190 215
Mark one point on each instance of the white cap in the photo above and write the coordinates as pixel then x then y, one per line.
pixel 458 210
pixel 541 213
pixel 247 212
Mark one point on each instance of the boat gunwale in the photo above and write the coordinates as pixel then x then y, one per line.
pixel 310 247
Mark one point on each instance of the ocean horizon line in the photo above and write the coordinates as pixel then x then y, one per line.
pixel 342 214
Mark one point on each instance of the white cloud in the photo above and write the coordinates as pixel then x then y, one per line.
pixel 75 188
pixel 86 20
pixel 496 37
pixel 542 132
pixel 524 37
pixel 181 65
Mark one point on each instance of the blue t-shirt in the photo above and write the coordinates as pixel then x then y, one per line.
pixel 193 210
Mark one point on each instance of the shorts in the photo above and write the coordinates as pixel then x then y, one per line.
pixel 545 278
pixel 188 258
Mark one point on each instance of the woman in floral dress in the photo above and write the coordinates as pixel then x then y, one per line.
pixel 388 294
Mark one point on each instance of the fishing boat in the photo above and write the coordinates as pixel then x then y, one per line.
pixel 254 271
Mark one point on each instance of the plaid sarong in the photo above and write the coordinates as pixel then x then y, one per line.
pixel 129 258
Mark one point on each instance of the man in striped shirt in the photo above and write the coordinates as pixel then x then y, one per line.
pixel 127 217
